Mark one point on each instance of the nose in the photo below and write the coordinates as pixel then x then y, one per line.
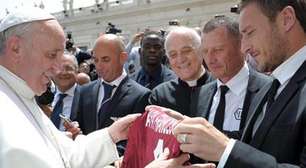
pixel 181 58
pixel 152 49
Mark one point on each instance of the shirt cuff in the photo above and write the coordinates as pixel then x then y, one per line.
pixel 226 153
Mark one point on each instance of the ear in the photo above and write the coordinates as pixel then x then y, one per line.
pixel 123 57
pixel 288 18
pixel 13 48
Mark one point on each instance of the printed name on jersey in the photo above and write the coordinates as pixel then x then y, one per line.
pixel 160 122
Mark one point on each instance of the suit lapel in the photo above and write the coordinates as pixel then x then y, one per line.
pixel 75 102
pixel 120 92
pixel 281 101
pixel 93 105
pixel 205 101
pixel 252 88
pixel 259 99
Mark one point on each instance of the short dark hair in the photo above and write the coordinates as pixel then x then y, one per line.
pixel 230 24
pixel 151 32
pixel 271 8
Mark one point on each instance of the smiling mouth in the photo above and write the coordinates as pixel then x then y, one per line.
pixel 185 66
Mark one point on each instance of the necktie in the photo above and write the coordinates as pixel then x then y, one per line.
pixel 58 109
pixel 269 99
pixel 219 117
pixel 108 89
pixel 272 92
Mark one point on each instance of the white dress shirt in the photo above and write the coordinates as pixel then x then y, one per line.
pixel 115 83
pixel 234 99
pixel 283 73
pixel 67 103
pixel 29 139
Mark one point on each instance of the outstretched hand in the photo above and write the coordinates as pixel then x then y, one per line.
pixel 119 129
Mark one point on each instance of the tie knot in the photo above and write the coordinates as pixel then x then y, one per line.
pixel 275 83
pixel 108 86
pixel 274 87
pixel 223 89
pixel 62 96
pixel 108 89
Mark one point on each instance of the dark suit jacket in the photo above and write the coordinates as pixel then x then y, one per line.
pixel 176 94
pixel 163 74
pixel 280 140
pixel 203 101
pixel 75 102
pixel 129 98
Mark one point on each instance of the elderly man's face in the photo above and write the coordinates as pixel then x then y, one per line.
pixel 41 56
pixel 222 53
pixel 185 60
pixel 66 78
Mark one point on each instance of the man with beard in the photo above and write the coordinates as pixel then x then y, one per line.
pixel 274 33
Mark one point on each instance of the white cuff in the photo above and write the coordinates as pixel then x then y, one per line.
pixel 226 153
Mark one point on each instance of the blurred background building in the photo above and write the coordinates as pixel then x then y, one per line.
pixel 85 20
pixel 131 16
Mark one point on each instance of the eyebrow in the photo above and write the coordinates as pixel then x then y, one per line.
pixel 244 30
pixel 187 47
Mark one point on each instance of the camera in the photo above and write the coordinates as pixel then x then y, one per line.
pixel 69 41
pixel 235 9
pixel 174 23
pixel 111 29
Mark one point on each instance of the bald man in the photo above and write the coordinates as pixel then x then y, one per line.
pixel 82 78
pixel 113 95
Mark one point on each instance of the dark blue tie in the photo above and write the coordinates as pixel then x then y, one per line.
pixel 108 89
pixel 58 109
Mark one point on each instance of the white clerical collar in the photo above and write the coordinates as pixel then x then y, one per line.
pixel 193 83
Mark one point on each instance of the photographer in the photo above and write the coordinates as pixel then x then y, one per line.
pixel 111 29
pixel 80 55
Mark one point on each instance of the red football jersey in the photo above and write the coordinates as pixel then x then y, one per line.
pixel 148 136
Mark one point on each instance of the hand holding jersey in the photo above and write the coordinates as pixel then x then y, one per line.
pixel 119 129
pixel 151 140
pixel 190 133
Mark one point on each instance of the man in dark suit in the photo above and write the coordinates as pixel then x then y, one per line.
pixel 114 95
pixel 67 88
pixel 152 72
pixel 274 33
pixel 221 49
pixel 183 48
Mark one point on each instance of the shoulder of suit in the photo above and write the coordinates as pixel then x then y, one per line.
pixel 89 85
pixel 168 72
pixel 208 86
pixel 165 86
pixel 134 85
